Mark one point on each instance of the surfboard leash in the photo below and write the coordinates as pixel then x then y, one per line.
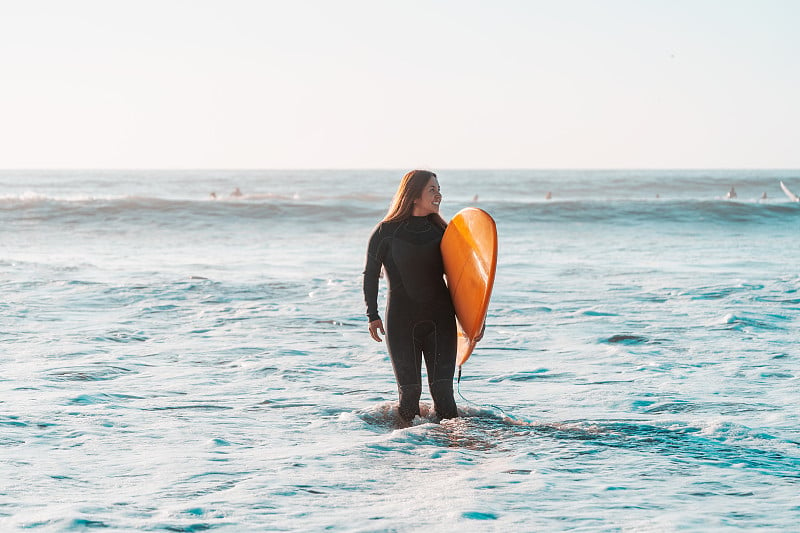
pixel 458 389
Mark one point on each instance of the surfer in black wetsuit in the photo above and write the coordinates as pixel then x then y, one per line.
pixel 420 319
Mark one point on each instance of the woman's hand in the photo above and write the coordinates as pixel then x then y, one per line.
pixel 374 327
pixel 480 335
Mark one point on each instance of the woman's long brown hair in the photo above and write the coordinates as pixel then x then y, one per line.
pixel 411 188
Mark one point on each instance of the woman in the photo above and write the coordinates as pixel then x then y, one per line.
pixel 420 319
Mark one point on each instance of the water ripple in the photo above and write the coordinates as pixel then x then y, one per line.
pixel 87 373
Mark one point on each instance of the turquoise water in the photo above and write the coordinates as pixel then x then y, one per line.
pixel 174 362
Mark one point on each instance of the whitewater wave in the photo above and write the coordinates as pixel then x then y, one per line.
pixel 335 208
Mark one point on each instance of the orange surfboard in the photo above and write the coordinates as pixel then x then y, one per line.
pixel 469 252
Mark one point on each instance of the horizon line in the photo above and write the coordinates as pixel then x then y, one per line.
pixel 393 169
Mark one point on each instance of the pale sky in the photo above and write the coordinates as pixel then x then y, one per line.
pixel 399 84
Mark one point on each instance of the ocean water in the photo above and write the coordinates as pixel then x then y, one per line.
pixel 174 362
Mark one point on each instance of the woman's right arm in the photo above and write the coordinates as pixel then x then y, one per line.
pixel 372 272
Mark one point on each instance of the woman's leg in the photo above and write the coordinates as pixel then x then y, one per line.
pixel 439 347
pixel 407 362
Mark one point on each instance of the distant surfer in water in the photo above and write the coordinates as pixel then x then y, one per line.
pixel 731 194
pixel 420 319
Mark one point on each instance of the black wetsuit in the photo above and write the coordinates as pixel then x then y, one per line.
pixel 419 312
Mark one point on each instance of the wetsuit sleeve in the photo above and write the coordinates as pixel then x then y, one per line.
pixel 372 272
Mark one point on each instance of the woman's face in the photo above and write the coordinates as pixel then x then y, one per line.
pixel 429 202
